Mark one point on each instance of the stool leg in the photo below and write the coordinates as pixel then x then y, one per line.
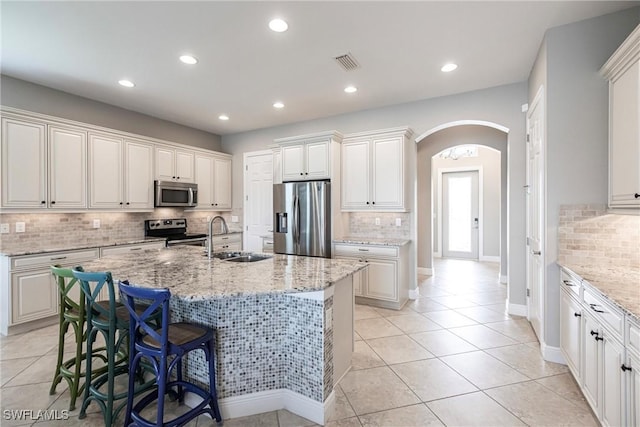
pixel 212 380
pixel 57 378
pixel 75 382
pixel 91 336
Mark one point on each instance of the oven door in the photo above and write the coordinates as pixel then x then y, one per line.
pixel 198 241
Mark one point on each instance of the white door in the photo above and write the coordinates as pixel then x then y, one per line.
pixel 460 214
pixel 535 214
pixel 258 198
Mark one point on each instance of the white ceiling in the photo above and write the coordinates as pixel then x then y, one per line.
pixel 85 47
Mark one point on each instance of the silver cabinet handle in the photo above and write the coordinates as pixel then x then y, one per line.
pixel 536 253
pixel 135 249
pixel 58 258
pixel 568 283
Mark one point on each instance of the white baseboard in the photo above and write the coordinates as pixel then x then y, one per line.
pixel 490 258
pixel 425 271
pixel 414 293
pixel 271 400
pixel 517 309
pixel 552 354
pixel 503 279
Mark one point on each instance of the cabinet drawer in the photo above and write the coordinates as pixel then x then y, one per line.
pixel 570 283
pixel 633 336
pixel 225 239
pixel 125 249
pixel 366 251
pixel 62 258
pixel 604 312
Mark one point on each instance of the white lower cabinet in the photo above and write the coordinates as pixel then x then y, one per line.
pixel 227 242
pixel 385 282
pixel 613 393
pixel 570 330
pixel 127 249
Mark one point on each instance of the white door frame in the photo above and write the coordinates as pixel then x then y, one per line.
pixel 538 102
pixel 440 171
pixel 245 158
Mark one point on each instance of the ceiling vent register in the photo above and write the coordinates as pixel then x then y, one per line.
pixel 347 62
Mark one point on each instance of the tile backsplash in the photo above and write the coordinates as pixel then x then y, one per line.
pixel 587 235
pixel 59 230
pixel 363 224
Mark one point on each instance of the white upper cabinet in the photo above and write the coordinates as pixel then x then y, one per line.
pixel 623 72
pixel 43 168
pixel 174 165
pixel 375 170
pixel 138 178
pixel 213 176
pixel 309 157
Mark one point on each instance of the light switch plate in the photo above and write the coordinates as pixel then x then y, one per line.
pixel 4 228
pixel 96 223
pixel 377 221
pixel 398 222
pixel 20 227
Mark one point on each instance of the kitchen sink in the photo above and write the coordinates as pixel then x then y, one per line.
pixel 226 255
pixel 248 258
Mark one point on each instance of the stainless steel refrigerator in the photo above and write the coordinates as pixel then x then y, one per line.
pixel 302 218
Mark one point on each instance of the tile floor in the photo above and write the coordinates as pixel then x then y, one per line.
pixel 452 357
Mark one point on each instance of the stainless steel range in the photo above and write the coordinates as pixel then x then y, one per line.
pixel 175 230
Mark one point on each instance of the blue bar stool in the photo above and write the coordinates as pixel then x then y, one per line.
pixel 111 320
pixel 164 348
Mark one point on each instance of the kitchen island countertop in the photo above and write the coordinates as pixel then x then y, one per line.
pixel 380 241
pixel 190 275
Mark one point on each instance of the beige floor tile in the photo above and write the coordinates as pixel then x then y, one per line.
pixel 386 312
pixel 347 422
pixel 442 342
pixel 34 345
pixel 527 360
pixel 482 337
pixel 541 407
pixel 414 415
pixel 429 290
pixel 289 419
pixel 342 408
pixel 487 298
pixel 398 349
pixel 268 419
pixel 565 386
pixel 482 315
pixel 365 312
pixel 12 367
pixel 475 409
pixel 498 308
pixel 432 379
pixel 483 370
pixel 450 319
pixel 425 305
pixel 34 397
pixel 414 322
pixel 517 329
pixel 376 389
pixel 41 371
pixel 364 357
pixel 453 302
pixel 376 328
pixel 356 336
pixel 94 419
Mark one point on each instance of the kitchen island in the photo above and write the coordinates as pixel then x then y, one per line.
pixel 284 325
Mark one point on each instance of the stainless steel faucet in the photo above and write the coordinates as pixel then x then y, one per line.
pixel 224 228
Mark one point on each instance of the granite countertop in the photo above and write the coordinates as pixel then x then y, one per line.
pixel 620 286
pixel 46 246
pixel 190 275
pixel 381 241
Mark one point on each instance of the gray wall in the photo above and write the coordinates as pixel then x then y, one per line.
pixel 41 99
pixel 576 99
pixel 501 105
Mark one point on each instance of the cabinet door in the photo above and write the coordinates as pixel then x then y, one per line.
pixel 67 168
pixel 612 412
pixel 382 280
pixel 355 175
pixel 277 167
pixel 358 288
pixel 204 178
pixel 387 173
pixel 138 180
pixel 24 165
pixel 165 164
pixel 293 163
pixel 105 172
pixel 624 163
pixel 33 295
pixel 222 183
pixel 590 363
pixel 184 166
pixel 570 334
pixel 633 391
pixel 317 160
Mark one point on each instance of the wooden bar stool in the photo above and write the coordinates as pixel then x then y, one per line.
pixel 164 347
pixel 72 314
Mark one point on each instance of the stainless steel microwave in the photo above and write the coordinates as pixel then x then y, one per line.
pixel 171 194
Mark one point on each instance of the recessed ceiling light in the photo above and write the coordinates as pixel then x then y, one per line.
pixel 126 83
pixel 278 25
pixel 188 59
pixel 448 67
pixel 278 105
pixel 350 89
pixel 223 117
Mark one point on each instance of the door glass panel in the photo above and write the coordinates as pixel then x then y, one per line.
pixel 459 214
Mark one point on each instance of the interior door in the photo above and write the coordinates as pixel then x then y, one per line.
pixel 258 199
pixel 460 214
pixel 535 216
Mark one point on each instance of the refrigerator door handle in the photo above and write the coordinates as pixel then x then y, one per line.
pixel 296 213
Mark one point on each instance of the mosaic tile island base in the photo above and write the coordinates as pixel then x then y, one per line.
pixel 276 346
